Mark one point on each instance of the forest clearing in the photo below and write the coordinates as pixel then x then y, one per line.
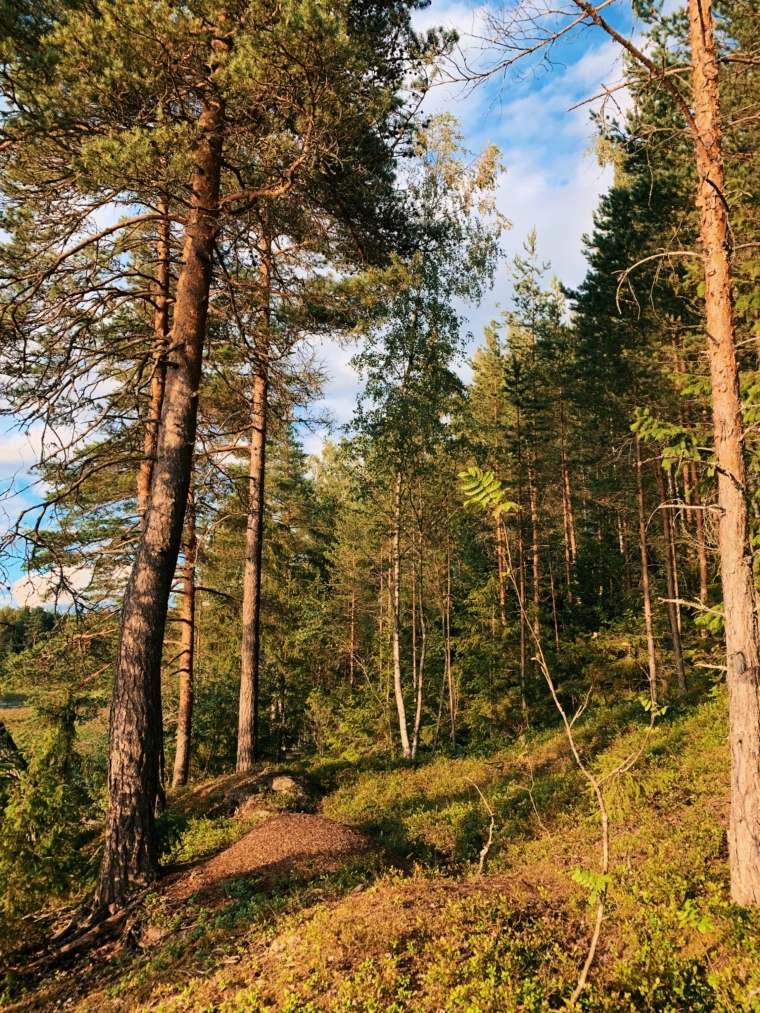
pixel 444 702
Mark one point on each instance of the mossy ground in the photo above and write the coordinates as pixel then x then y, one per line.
pixel 437 938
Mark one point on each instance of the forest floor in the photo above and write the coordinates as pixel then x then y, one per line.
pixel 358 889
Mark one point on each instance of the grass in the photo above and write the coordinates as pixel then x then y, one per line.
pixel 438 938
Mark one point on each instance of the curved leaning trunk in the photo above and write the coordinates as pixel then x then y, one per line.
pixel 742 650
pixel 129 859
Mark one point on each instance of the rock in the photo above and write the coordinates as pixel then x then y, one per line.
pixel 244 799
pixel 229 803
pixel 252 809
pixel 289 785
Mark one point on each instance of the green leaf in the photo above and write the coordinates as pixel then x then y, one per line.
pixel 597 883
pixel 689 917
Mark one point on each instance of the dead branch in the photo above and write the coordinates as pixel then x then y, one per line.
pixel 487 846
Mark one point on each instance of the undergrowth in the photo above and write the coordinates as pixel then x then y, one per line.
pixel 439 938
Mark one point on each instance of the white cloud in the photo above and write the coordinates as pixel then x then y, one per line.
pixel 20 450
pixel 35 589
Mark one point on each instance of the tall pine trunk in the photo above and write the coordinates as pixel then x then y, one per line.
pixel 352 639
pixel 187 648
pixel 421 665
pixel 742 648
pixel 501 561
pixel 397 687
pixel 521 562
pixel 533 493
pixel 523 629
pixel 701 547
pixel 447 648
pixel 670 575
pixel 568 524
pixel 130 861
pixel 651 655
pixel 248 710
pixel 158 376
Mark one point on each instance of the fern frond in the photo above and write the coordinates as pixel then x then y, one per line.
pixel 483 491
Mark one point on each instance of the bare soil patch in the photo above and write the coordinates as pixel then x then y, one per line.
pixel 281 847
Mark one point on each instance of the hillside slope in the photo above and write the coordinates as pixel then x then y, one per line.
pixel 412 927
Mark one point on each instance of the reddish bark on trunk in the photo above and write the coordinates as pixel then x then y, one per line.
pixel 129 859
pixel 187 656
pixel 248 711
pixel 742 649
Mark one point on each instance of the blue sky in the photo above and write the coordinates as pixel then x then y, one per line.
pixel 551 183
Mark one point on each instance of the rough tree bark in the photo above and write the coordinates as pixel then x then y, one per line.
pixel 742 648
pixel 187 648
pixel 129 860
pixel 703 118
pixel 248 711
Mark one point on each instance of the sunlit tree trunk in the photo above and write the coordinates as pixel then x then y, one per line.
pixel 130 861
pixel 352 638
pixel 521 563
pixel 501 562
pixel 158 376
pixel 447 648
pixel 742 649
pixel 533 492
pixel 523 631
pixel 568 521
pixel 421 665
pixel 248 708
pixel 670 563
pixel 651 654
pixel 397 686
pixel 187 648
